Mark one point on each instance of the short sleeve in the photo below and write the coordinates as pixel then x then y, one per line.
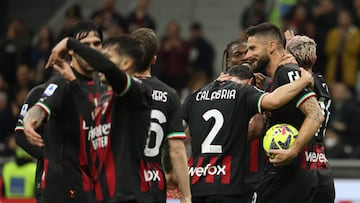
pixel 254 99
pixel 175 130
pixel 52 97
pixel 287 74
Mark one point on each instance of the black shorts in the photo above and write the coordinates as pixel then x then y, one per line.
pixel 222 199
pixel 274 189
pixel 324 194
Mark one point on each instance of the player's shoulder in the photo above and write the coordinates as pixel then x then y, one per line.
pixel 287 68
pixel 320 87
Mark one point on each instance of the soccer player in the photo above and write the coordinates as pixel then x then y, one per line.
pixel 63 179
pixel 284 175
pixel 218 116
pixel 303 49
pixel 35 151
pixel 166 123
pixel 234 53
pixel 118 135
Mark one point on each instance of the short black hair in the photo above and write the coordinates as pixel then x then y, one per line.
pixel 266 29
pixel 242 72
pixel 196 26
pixel 83 28
pixel 126 45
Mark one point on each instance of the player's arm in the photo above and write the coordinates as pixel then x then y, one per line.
pixel 256 127
pixel 311 124
pixel 180 167
pixel 285 93
pixel 32 120
pixel 119 81
pixel 34 151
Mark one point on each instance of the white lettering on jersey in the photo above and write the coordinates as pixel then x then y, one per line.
pixel 219 94
pixel 151 175
pixel 208 169
pixel 158 95
pixel 315 157
pixel 98 136
pixel 50 89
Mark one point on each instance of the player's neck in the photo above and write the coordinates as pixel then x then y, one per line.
pixel 144 74
pixel 274 63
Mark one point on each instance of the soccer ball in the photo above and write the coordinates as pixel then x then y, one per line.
pixel 279 136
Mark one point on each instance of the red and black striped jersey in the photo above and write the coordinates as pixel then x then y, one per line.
pixel 314 157
pixel 166 123
pixel 218 116
pixel 290 114
pixel 63 178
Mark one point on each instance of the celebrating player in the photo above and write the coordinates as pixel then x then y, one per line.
pixel 63 179
pixel 284 174
pixel 166 122
pixel 303 49
pixel 218 116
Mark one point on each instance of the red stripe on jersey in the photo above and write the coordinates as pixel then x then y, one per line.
pixel 210 177
pixel 321 150
pixel 161 183
pixel 190 161
pixel 225 179
pixel 91 83
pixel 43 178
pixel 110 172
pixel 195 178
pixel 303 159
pixel 98 191
pixel 143 186
pixel 82 157
pixel 254 156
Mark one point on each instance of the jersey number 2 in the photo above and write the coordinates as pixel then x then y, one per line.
pixel 156 128
pixel 206 146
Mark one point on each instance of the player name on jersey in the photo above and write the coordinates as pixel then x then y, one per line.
pixel 219 94
pixel 158 95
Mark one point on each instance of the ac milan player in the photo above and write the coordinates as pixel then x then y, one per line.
pixel 218 116
pixel 284 175
pixel 166 123
pixel 116 139
pixel 63 179
pixel 35 151
pixel 303 49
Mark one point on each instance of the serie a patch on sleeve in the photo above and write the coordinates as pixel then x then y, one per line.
pixel 50 89
pixel 24 110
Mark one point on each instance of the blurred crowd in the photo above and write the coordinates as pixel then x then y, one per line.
pixel 187 63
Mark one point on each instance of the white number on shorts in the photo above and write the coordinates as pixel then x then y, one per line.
pixel 206 146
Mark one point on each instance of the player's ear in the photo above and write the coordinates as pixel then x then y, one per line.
pixel 271 46
pixel 153 60
pixel 126 64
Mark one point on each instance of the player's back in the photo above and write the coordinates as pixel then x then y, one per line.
pixel 166 123
pixel 218 116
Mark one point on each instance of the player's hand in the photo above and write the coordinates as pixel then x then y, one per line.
pixel 64 69
pixel 57 52
pixel 260 80
pixel 282 157
pixel 223 77
pixel 32 136
pixel 289 34
pixel 307 75
pixel 287 59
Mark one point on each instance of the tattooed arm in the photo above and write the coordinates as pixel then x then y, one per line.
pixel 311 124
pixel 32 120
